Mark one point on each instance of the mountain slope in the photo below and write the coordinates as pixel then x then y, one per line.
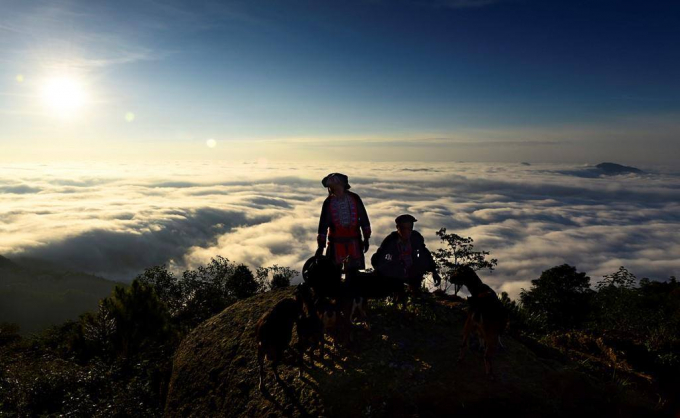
pixel 404 366
pixel 35 296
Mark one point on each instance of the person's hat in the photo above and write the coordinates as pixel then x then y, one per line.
pixel 406 218
pixel 335 178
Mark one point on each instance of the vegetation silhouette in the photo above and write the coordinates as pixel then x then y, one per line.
pixel 117 360
pixel 459 251
pixel 558 299
pixel 280 276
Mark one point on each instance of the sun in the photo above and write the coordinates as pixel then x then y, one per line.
pixel 64 96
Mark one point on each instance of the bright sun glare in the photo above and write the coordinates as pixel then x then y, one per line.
pixel 63 96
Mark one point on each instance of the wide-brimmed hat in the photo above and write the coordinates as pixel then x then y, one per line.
pixel 335 178
pixel 405 218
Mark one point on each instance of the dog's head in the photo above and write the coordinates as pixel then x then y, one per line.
pixel 304 295
pixel 463 276
pixel 321 273
pixel 288 308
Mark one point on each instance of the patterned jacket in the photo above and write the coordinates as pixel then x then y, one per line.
pixel 388 260
pixel 331 227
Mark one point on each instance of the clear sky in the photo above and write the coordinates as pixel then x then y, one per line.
pixel 474 80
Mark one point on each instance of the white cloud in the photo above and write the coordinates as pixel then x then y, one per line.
pixel 116 219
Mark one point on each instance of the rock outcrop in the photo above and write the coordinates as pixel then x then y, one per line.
pixel 404 366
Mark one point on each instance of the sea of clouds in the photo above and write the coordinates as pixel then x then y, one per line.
pixel 115 219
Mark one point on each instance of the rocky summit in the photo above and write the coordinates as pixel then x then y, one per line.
pixel 404 366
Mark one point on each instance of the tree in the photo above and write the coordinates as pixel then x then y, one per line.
pixel 128 320
pixel 518 316
pixel 618 302
pixel 559 299
pixel 281 276
pixel 241 283
pixel 97 332
pixel 459 251
pixel 201 293
pixel 659 313
pixel 205 291
pixel 209 289
pixel 622 279
pixel 167 286
pixel 279 281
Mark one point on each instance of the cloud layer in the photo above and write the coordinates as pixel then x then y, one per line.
pixel 117 219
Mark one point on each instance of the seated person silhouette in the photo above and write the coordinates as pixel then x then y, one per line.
pixel 403 255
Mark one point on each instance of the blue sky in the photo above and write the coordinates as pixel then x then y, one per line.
pixel 277 76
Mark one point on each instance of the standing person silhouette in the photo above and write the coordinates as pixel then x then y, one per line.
pixel 343 221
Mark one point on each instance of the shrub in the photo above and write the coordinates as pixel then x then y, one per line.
pixel 559 299
pixel 459 251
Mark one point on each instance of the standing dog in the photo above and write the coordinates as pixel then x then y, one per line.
pixel 273 333
pixel 310 337
pixel 310 329
pixel 486 315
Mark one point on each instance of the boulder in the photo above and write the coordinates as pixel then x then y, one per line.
pixel 405 365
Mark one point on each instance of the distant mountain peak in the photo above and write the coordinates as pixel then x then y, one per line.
pixel 613 168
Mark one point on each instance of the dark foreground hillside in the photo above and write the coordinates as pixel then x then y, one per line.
pixel 35 296
pixel 404 366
